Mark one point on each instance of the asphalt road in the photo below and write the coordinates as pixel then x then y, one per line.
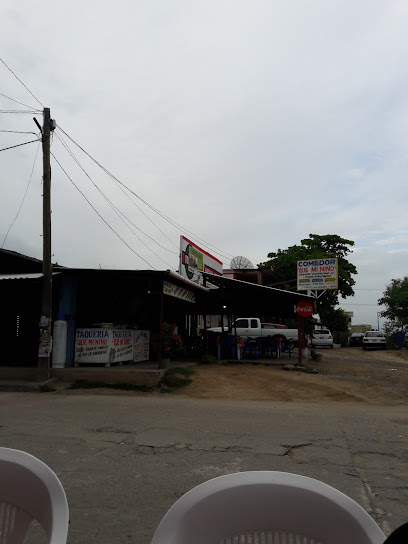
pixel 124 459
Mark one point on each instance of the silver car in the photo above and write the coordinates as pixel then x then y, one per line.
pixel 322 337
pixel 374 339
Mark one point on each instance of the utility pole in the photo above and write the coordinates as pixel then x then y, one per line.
pixel 45 343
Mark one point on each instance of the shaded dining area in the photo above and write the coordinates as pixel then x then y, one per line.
pixel 235 298
pixel 228 347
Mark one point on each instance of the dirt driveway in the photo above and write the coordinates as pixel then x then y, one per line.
pixel 344 375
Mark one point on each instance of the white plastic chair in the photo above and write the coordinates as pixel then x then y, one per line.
pixel 266 508
pixel 30 490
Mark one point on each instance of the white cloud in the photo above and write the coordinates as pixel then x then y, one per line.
pixel 251 125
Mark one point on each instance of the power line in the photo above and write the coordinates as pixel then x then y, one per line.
pixel 19 132
pixel 357 289
pixel 127 196
pixel 115 209
pixel 18 145
pixel 17 102
pixel 22 202
pixel 168 219
pixel 18 79
pixel 127 219
pixel 96 211
pixel 356 304
pixel 19 111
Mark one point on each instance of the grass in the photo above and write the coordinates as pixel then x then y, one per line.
pixel 85 384
pixel 45 389
pixel 305 370
pixel 208 360
pixel 175 378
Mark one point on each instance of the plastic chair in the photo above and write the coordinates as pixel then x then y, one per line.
pixel 29 490
pixel 250 346
pixel 228 344
pixel 267 507
pixel 265 347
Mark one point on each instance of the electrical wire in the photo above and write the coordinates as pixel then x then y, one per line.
pixel 358 289
pixel 214 248
pixel 18 145
pixel 127 196
pixel 127 219
pixel 96 211
pixel 19 132
pixel 356 304
pixel 17 102
pixel 19 111
pixel 22 202
pixel 18 79
pixel 115 209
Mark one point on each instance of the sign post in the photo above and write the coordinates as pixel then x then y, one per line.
pixel 304 309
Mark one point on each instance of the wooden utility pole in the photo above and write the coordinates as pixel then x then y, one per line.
pixel 45 344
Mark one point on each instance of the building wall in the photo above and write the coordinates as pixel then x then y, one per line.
pixel 360 328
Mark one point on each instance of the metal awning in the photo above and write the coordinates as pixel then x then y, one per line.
pixel 29 276
pixel 32 276
pixel 237 297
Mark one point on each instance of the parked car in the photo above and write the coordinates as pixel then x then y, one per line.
pixel 273 326
pixel 374 339
pixel 322 337
pixel 356 339
pixel 251 327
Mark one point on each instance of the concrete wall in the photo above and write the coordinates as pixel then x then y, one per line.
pixel 149 378
pixel 18 373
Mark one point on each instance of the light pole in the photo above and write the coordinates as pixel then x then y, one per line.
pixel 378 320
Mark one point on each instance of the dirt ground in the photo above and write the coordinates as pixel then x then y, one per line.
pixel 349 375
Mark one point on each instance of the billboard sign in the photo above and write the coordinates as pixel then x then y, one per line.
pixel 103 345
pixel 194 261
pixel 317 274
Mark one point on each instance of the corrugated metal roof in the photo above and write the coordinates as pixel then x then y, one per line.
pixel 31 276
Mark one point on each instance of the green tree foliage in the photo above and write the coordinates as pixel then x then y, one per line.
pixel 284 264
pixel 395 299
pixel 334 319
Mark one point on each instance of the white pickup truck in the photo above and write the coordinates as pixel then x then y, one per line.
pixel 251 327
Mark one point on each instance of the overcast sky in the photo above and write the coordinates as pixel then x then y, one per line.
pixel 250 124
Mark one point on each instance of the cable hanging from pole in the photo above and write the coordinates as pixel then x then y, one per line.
pixel 23 84
pixel 120 214
pixel 96 211
pixel 161 214
pixel 19 145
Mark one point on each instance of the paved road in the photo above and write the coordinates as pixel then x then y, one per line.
pixel 124 459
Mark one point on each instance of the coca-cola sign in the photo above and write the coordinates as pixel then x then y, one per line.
pixel 304 308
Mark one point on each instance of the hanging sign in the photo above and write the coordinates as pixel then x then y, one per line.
pixel 178 292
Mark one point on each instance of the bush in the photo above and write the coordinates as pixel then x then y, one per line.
pixel 208 359
pixel 168 344
pixel 85 384
pixel 177 377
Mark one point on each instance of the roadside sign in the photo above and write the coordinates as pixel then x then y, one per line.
pixel 304 308
pixel 318 274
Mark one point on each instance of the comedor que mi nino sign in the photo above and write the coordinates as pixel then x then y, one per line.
pixel 317 274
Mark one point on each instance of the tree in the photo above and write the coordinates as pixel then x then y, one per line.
pixel 284 264
pixel 395 298
pixel 334 319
